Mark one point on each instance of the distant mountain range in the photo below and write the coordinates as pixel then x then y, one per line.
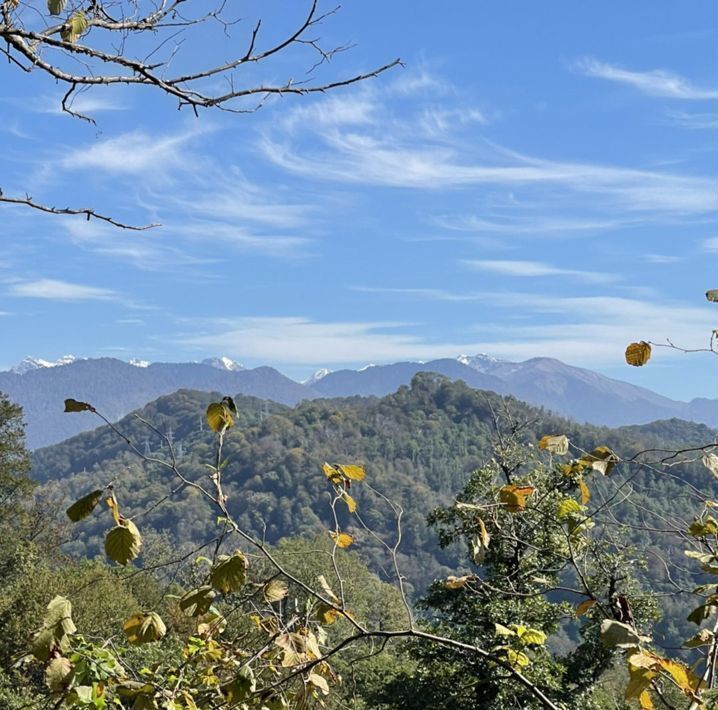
pixel 116 388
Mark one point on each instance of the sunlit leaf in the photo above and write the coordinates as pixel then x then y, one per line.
pixel 351 503
pixel 219 417
pixel 294 647
pixel 585 491
pixel 480 544
pixel 342 539
pixel 75 27
pixel 514 497
pixel 319 682
pixel 353 472
pixel 123 542
pixel 710 461
pixel 58 674
pixel 638 354
pixel 601 459
pixel 531 637
pixel 712 295
pixel 327 590
pixel 555 444
pixel 144 628
pixel 567 508
pixel 275 590
pixel 453 582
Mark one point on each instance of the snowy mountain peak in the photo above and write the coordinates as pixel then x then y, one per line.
pixel 138 363
pixel 35 363
pixel 481 361
pixel 316 376
pixel 223 363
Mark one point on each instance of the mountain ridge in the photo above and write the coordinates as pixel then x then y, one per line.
pixel 117 387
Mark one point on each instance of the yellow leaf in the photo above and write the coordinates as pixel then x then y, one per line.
pixel 638 354
pixel 555 444
pixel 342 539
pixel 144 628
pixel 332 473
pixel 219 417
pixel 453 582
pixel 355 473
pixel 275 590
pixel 585 606
pixel 645 701
pixel 681 674
pixel 514 497
pixel 351 503
pixel 585 492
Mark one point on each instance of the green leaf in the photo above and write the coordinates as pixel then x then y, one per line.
pixel 72 405
pixel 241 686
pixel 82 508
pixel 197 601
pixel 58 674
pixel 703 638
pixel 712 295
pixel 229 573
pixel 55 7
pixel 56 628
pixel 701 613
pixel 501 630
pixel 568 508
pixel 123 542
pixel 615 634
pixel 701 528
pixel 75 27
pixel 144 628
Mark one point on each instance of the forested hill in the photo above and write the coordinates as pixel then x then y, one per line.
pixel 418 445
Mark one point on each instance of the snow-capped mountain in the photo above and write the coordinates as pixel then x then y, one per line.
pixel 138 363
pixel 223 363
pixel 35 363
pixel 316 376
pixel 481 361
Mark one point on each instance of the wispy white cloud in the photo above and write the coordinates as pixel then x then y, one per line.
pixel 663 258
pixel 694 121
pixel 134 153
pixel 56 290
pixel 656 82
pixel 588 330
pixel 533 269
pixel 710 245
pixel 390 153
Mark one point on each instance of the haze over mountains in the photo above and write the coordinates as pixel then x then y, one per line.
pixel 116 388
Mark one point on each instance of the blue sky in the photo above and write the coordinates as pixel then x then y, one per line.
pixel 539 180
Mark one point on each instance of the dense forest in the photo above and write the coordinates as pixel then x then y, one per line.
pixel 419 447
